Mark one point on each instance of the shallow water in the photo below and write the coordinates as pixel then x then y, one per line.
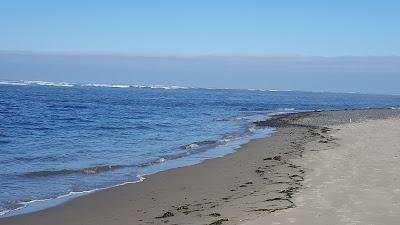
pixel 60 138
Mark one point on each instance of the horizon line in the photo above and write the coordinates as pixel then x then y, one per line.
pixel 185 55
pixel 168 87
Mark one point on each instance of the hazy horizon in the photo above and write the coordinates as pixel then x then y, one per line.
pixel 363 74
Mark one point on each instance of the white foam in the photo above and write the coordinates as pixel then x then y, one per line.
pixel 252 129
pixel 228 139
pixel 36 82
pixel 2 213
pixel 40 204
pixel 152 86
pixel 275 90
pixel 12 83
pixel 48 83
pixel 191 146
pixel 157 86
pixel 107 85
pixel 161 160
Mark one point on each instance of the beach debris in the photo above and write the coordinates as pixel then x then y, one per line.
pixel 278 199
pixel 190 211
pixel 289 192
pixel 215 214
pixel 273 210
pixel 183 207
pixel 325 129
pixel 165 215
pixel 293 166
pixel 259 171
pixel 277 158
pixel 219 222
pixel 296 177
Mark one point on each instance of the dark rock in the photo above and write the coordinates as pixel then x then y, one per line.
pixel 259 171
pixel 278 158
pixel 182 207
pixel 219 222
pixel 215 214
pixel 165 215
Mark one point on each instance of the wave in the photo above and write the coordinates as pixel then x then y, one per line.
pixel 207 144
pixel 106 85
pixel 5 141
pixel 275 90
pixel 198 144
pixel 98 169
pixel 152 86
pixel 47 158
pixel 13 83
pixel 168 87
pixel 39 204
pixel 213 143
pixel 21 205
pixel 84 171
pixel 34 82
pixel 48 83
pixel 193 148
pixel 66 84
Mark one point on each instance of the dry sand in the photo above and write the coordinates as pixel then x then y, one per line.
pixel 355 182
pixel 263 182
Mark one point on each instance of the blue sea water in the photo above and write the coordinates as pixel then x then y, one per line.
pixel 60 139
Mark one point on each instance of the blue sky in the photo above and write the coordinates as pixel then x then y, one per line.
pixel 341 45
pixel 318 28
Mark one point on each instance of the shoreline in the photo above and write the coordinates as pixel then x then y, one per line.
pixel 197 195
pixel 37 205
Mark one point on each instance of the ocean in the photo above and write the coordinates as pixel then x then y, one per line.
pixel 60 140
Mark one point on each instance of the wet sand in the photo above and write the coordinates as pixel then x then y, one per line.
pixel 264 178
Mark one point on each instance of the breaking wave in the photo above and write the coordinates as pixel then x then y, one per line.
pixel 153 86
pixel 84 171
pixel 66 84
pixel 24 204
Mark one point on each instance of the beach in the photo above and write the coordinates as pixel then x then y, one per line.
pixel 333 167
pixel 355 182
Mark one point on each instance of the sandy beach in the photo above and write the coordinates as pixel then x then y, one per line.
pixel 355 182
pixel 318 168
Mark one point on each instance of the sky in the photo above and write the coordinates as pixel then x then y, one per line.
pixel 48 38
pixel 317 28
